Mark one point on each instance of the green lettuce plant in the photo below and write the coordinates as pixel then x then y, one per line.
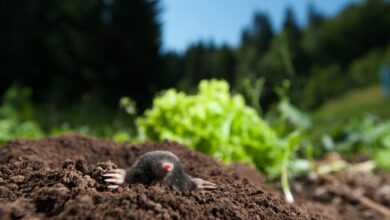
pixel 216 123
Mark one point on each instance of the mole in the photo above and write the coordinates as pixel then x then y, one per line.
pixel 157 166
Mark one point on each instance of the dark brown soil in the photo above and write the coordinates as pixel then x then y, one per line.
pixel 344 194
pixel 61 178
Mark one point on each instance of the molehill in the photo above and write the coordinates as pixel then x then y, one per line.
pixel 61 178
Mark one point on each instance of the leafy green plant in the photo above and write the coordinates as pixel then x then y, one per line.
pixel 216 123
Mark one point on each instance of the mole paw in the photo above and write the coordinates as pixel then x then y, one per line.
pixel 115 177
pixel 203 184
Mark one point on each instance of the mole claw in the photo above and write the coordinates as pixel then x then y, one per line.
pixel 115 175
pixel 112 186
pixel 208 185
pixel 203 184
pixel 111 180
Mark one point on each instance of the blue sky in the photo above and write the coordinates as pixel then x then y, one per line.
pixel 188 21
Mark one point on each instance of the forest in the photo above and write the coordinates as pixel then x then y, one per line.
pixel 109 49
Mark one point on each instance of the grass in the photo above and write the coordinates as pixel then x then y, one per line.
pixel 362 101
pixel 354 104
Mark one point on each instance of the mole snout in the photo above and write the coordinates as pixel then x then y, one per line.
pixel 167 167
pixel 160 166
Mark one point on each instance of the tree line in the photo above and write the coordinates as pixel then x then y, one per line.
pixel 100 50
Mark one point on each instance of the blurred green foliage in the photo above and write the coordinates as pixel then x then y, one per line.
pixel 109 49
pixel 356 123
pixel 216 123
pixel 15 115
pixel 21 118
pixel 356 104
pixel 364 135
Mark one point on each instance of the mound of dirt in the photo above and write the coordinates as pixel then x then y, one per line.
pixel 347 195
pixel 61 178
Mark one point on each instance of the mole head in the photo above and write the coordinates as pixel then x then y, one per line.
pixel 161 162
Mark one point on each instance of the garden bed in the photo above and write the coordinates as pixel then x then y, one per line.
pixel 61 177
